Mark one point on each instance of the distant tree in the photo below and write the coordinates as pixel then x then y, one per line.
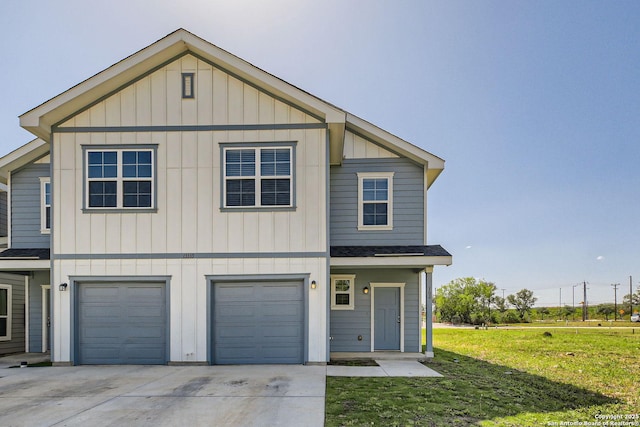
pixel 606 310
pixel 567 311
pixel 500 304
pixel 522 301
pixel 636 299
pixel 542 311
pixel 466 300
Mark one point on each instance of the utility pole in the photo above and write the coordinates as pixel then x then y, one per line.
pixel 630 296
pixel 560 306
pixel 585 313
pixel 573 301
pixel 503 293
pixel 615 300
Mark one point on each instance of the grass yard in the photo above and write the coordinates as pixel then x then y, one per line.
pixel 503 377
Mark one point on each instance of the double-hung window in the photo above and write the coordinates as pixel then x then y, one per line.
pixel 258 177
pixel 45 205
pixel 342 291
pixel 375 201
pixel 5 312
pixel 120 178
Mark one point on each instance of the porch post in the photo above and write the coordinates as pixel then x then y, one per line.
pixel 429 312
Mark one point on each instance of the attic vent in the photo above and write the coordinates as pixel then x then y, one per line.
pixel 187 85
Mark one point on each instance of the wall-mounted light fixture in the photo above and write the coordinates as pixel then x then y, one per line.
pixel 313 284
pixel 365 290
pixel 62 287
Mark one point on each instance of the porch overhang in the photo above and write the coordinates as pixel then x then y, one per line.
pixel 417 257
pixel 25 259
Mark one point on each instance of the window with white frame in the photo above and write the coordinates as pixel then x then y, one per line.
pixel 258 177
pixel 5 312
pixel 45 205
pixel 375 201
pixel 342 291
pixel 120 178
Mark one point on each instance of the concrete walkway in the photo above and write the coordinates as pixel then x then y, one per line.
pixel 385 368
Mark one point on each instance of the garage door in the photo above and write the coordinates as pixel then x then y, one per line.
pixel 121 323
pixel 255 323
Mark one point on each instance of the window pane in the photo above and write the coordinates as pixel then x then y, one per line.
pixel 275 192
pixel 275 162
pixel 240 163
pixel 129 157
pixel 95 158
pixel 110 157
pixel 47 217
pixel 102 164
pixel 129 171
pixel 47 194
pixel 375 189
pixel 374 214
pixel 241 192
pixel 3 326
pixel 136 164
pixel 136 194
pixel 343 285
pixel 4 293
pixel 110 172
pixel 342 299
pixel 102 194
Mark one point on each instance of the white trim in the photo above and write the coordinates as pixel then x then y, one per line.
pixel 24 264
pixel 375 175
pixel 373 293
pixel 46 309
pixel 352 280
pixel 26 314
pixel 44 180
pixel 392 261
pixel 9 312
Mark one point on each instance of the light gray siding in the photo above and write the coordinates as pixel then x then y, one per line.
pixel 35 310
pixel 25 207
pixel 347 325
pixel 16 344
pixel 408 203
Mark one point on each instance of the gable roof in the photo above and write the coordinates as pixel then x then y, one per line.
pixel 29 152
pixel 44 117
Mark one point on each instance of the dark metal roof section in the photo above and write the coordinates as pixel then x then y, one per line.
pixel 370 251
pixel 37 253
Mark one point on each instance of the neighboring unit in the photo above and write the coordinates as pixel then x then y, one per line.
pixel 202 210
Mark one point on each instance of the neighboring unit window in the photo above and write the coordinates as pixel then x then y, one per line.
pixel 187 85
pixel 45 205
pixel 342 287
pixel 375 201
pixel 5 312
pixel 258 177
pixel 120 179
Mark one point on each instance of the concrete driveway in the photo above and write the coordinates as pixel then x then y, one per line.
pixel 259 395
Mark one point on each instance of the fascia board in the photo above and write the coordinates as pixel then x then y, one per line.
pixel 395 261
pixel 40 119
pixel 24 264
pixel 394 143
pixel 21 156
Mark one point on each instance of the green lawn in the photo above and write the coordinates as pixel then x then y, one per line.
pixel 502 377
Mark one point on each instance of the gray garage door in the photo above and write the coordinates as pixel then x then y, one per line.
pixel 258 323
pixel 121 323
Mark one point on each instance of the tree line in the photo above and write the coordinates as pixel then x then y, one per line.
pixel 473 301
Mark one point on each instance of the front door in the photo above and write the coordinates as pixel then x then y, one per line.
pixel 387 319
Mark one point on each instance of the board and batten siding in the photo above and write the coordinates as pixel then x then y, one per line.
pixel 408 203
pixel 26 207
pixel 347 325
pixel 16 344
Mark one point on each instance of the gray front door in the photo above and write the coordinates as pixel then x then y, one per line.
pixel 121 323
pixel 257 323
pixel 387 319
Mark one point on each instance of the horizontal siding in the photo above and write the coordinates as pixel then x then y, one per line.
pixel 25 207
pixel 347 325
pixel 408 203
pixel 16 345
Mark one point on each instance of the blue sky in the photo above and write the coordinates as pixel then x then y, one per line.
pixel 535 106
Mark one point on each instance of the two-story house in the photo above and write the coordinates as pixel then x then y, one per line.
pixel 204 211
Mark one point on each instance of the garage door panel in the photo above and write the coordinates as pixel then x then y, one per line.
pixel 260 322
pixel 123 323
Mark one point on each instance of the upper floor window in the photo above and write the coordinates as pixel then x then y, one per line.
pixel 342 291
pixel 5 312
pixel 375 201
pixel 45 205
pixel 258 177
pixel 120 178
